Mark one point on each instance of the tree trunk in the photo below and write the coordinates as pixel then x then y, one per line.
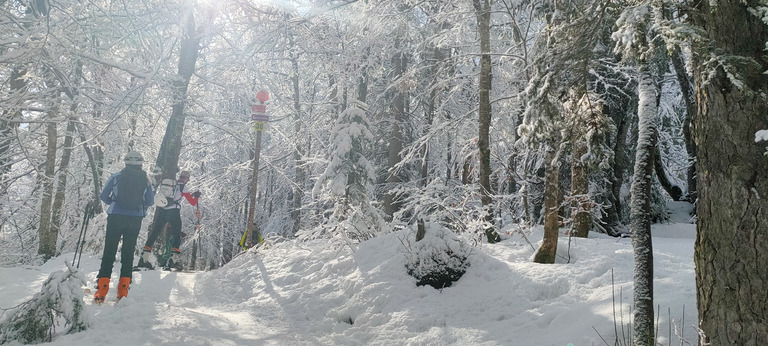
pixel 298 153
pixel 430 114
pixel 731 249
pixel 170 149
pixel 96 162
pixel 582 218
pixel 399 102
pixel 47 246
pixel 640 212
pixel 362 87
pixel 672 190
pixel 690 111
pixel 420 230
pixel 61 188
pixel 8 127
pixel 66 154
pixel 548 251
pixel 483 13
pixel 526 199
pixel 613 216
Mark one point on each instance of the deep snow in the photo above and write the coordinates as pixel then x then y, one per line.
pixel 314 293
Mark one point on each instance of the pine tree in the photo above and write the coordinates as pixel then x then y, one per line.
pixel 731 248
pixel 348 179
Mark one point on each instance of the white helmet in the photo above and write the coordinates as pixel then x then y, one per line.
pixel 133 158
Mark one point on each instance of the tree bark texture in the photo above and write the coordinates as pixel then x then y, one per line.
pixel 170 149
pixel 731 249
pixel 640 208
pixel 690 109
pixel 582 218
pixel 483 13
pixel 66 155
pixel 672 190
pixel 298 153
pixel 61 188
pixel 8 127
pixel 548 250
pixel 47 246
pixel 613 214
pixel 399 101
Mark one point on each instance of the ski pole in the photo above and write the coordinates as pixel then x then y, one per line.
pixel 91 209
pixel 81 237
pixel 197 228
pixel 198 213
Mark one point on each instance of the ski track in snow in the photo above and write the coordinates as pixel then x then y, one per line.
pixel 318 294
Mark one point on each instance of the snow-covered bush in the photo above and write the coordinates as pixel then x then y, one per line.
pixel 439 259
pixel 59 303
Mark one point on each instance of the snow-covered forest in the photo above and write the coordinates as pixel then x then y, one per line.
pixel 483 119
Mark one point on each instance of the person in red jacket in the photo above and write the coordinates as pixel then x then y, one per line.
pixel 170 214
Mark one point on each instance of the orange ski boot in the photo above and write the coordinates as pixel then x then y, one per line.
pixel 122 287
pixel 101 291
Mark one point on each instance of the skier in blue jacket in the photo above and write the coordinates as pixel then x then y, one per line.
pixel 128 193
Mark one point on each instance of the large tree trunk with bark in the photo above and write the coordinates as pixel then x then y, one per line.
pixel 548 251
pixel 66 155
pixel 399 110
pixel 483 13
pixel 731 249
pixel 613 217
pixel 170 149
pixel 640 208
pixel 61 188
pixel 47 246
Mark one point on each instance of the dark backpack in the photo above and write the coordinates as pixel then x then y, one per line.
pixel 130 187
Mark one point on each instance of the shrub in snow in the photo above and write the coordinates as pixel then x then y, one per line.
pixel 59 303
pixel 439 259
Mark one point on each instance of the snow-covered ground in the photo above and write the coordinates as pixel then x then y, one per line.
pixel 313 293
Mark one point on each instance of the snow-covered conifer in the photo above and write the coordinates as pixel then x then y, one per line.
pixel 347 181
pixel 59 304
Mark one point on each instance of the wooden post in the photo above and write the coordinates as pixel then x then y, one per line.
pixel 259 116
pixel 254 183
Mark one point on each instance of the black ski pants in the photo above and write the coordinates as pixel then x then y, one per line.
pixel 125 227
pixel 172 216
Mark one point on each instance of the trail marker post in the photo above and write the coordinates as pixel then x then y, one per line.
pixel 260 118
